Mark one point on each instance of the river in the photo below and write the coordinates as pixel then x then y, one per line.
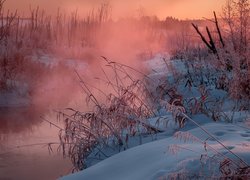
pixel 24 154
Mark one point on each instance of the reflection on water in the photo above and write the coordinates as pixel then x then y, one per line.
pixel 23 126
pixel 17 120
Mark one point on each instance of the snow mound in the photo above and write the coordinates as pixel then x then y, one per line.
pixel 155 160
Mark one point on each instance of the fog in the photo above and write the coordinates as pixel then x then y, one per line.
pixel 56 47
pixel 56 56
pixel 127 41
pixel 183 9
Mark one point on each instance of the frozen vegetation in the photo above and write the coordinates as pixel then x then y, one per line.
pixel 171 101
pixel 210 149
pixel 174 158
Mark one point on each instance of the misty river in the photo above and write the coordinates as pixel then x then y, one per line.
pixel 24 153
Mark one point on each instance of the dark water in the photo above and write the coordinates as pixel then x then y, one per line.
pixel 23 127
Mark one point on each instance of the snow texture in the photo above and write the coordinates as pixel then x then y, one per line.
pixel 174 154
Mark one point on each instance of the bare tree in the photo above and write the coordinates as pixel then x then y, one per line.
pixel 231 45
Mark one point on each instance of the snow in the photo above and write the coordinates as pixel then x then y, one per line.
pixel 162 155
pixel 19 96
pixel 153 160
pixel 166 156
pixel 51 61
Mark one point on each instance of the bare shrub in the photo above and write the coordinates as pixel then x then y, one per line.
pixel 230 47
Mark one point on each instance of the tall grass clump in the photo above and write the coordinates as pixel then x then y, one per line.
pixel 109 122
pixel 10 58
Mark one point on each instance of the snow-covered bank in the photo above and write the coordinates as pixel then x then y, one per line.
pixel 22 92
pixel 199 156
pixel 155 160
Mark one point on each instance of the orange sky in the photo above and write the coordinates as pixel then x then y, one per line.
pixel 191 9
